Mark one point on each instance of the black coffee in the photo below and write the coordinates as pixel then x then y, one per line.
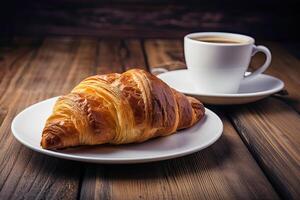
pixel 218 39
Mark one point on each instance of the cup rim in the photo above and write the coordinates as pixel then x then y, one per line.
pixel 249 39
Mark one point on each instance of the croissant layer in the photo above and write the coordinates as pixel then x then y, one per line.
pixel 119 108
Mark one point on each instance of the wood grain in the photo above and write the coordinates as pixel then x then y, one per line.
pixel 13 59
pixel 117 55
pixel 165 54
pixel 270 128
pixel 24 173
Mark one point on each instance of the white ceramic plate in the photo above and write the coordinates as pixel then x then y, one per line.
pixel 27 127
pixel 251 90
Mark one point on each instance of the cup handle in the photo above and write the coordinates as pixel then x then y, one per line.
pixel 260 70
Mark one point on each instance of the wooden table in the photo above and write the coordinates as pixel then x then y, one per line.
pixel 257 157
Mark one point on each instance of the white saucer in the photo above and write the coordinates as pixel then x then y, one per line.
pixel 27 128
pixel 252 90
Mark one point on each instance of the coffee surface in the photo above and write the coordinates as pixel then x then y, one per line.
pixel 216 39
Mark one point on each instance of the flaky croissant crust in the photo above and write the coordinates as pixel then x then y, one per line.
pixel 117 109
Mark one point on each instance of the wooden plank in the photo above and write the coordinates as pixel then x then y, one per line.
pixel 116 55
pixel 270 128
pixel 165 54
pixel 133 55
pixel 3 113
pixel 9 55
pixel 286 67
pixel 10 65
pixel 58 64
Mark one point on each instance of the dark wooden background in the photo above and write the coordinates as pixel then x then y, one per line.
pixel 266 20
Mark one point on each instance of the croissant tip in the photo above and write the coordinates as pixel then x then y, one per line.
pixel 198 107
pixel 50 141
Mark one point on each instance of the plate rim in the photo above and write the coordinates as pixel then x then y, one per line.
pixel 237 95
pixel 114 160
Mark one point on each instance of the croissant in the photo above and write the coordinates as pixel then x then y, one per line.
pixel 118 108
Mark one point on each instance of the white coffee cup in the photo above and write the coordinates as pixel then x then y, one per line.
pixel 219 67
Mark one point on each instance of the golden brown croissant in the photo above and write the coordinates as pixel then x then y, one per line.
pixel 117 109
